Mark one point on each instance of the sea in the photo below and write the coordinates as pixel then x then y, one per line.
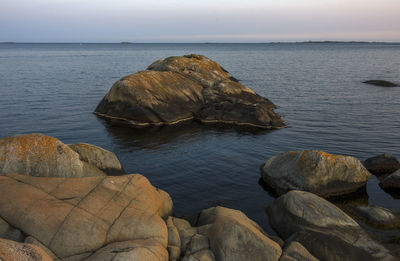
pixel 318 88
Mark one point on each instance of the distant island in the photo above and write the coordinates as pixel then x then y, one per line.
pixel 126 43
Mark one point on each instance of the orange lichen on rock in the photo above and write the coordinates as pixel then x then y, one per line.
pixel 40 155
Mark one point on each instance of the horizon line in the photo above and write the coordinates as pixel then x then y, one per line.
pixel 207 42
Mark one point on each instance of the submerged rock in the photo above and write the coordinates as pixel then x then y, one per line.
pixel 382 164
pixel 392 182
pixel 379 216
pixel 45 156
pixel 382 83
pixel 191 87
pixel 77 216
pixel 14 251
pixel 318 172
pixel 322 228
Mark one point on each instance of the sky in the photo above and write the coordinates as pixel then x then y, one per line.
pixel 199 20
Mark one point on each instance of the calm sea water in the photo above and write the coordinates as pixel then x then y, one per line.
pixel 54 88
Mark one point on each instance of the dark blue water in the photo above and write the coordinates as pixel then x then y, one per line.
pixel 54 88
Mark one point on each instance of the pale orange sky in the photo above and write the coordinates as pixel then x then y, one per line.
pixel 198 20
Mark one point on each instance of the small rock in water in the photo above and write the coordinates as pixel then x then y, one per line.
pixel 382 83
pixel 315 171
pixel 382 164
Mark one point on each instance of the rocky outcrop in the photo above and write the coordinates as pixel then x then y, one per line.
pixel 382 164
pixel 382 83
pixel 229 234
pixel 379 216
pixel 392 182
pixel 322 228
pixel 192 87
pixel 14 251
pixel 42 156
pixel 75 217
pixel 318 172
pixel 102 159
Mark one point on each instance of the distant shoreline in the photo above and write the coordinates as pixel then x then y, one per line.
pixel 294 42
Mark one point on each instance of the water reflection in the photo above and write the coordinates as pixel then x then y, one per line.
pixel 154 137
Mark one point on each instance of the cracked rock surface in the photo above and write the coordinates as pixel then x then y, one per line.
pixel 78 216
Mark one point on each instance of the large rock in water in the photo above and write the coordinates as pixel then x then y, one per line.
pixel 318 172
pixel 75 217
pixel 192 87
pixel 45 156
pixel 323 229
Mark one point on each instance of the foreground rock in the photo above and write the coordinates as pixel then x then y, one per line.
pixel 224 234
pixel 14 251
pixel 318 172
pixel 382 164
pixel 392 182
pixel 74 217
pixel 382 83
pixel 192 87
pixel 44 156
pixel 378 216
pixel 323 229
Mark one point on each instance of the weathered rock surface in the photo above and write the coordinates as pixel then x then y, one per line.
pixel 103 159
pixel 44 156
pixel 382 164
pixel 149 249
pixel 174 240
pixel 9 232
pixel 14 251
pixel 379 216
pixel 192 87
pixel 78 216
pixel 322 228
pixel 232 236
pixel 296 251
pixel 382 83
pixel 392 181
pixel 318 172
